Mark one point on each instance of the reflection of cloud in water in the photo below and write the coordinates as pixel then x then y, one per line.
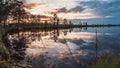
pixel 108 34
pixel 54 49
pixel 80 35
pixel 59 49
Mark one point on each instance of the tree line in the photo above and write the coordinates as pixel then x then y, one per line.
pixel 10 7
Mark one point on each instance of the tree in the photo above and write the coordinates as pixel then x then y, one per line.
pixel 18 13
pixel 65 21
pixel 55 19
pixel 6 7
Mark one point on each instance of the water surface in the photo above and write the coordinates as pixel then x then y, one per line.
pixel 66 48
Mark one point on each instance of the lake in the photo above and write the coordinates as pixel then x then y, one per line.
pixel 63 48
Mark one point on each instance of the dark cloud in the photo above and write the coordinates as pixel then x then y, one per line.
pixel 77 9
pixel 106 8
pixel 112 8
pixel 62 10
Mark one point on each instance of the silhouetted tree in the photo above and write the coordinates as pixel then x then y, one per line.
pixel 65 21
pixel 6 7
pixel 70 23
pixel 55 19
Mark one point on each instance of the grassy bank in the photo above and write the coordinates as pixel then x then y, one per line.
pixel 5 60
pixel 105 62
pixel 4 53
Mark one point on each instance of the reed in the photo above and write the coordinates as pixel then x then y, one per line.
pixel 4 53
pixel 107 63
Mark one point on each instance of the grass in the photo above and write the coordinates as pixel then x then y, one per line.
pixel 5 60
pixel 104 62
pixel 4 53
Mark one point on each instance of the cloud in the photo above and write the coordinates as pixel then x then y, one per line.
pixel 105 8
pixel 69 9
pixel 62 10
pixel 31 5
pixel 79 15
pixel 112 8
pixel 75 9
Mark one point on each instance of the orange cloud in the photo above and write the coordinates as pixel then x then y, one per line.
pixel 47 7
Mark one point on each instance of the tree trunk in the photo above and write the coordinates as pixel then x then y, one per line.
pixel 4 25
pixel 0 20
pixel 4 21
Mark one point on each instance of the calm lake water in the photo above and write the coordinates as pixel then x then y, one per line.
pixel 67 48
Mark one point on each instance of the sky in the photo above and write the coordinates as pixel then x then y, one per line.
pixel 106 11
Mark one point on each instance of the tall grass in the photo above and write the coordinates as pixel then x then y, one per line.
pixel 5 60
pixel 3 50
pixel 107 63
pixel 4 53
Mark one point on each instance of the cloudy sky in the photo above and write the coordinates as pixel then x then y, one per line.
pixel 89 10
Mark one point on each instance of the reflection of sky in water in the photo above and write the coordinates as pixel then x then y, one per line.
pixel 111 30
pixel 73 40
pixel 75 47
pixel 66 47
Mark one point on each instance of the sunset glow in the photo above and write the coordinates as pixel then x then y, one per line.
pixel 59 33
pixel 48 7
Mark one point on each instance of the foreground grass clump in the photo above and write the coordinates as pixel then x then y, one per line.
pixel 5 60
pixel 4 53
pixel 107 63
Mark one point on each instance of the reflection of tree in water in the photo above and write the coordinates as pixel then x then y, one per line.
pixel 70 61
pixel 16 46
pixel 56 33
